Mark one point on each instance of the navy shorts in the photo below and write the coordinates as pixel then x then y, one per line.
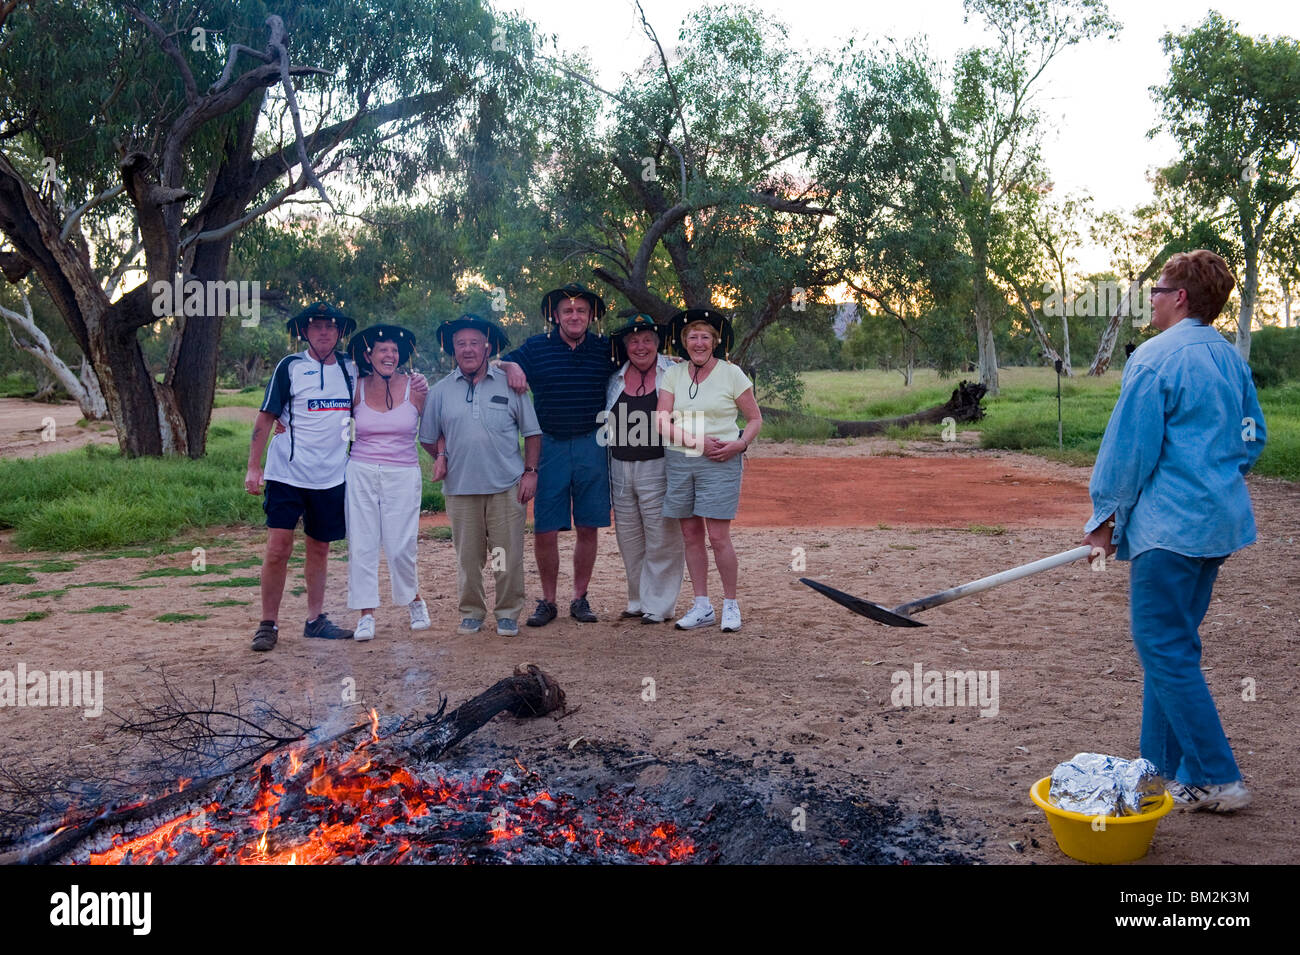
pixel 572 480
pixel 321 509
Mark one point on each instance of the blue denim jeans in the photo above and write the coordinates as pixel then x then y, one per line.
pixel 1181 732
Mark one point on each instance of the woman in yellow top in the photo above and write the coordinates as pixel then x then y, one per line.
pixel 699 400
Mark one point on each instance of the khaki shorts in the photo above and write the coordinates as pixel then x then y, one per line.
pixel 698 487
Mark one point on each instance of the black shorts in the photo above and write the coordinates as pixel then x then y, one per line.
pixel 321 509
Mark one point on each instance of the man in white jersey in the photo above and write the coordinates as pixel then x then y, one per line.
pixel 310 394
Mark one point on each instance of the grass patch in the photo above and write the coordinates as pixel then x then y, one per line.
pixel 29 617
pixel 180 617
pixel 234 582
pixel 226 603
pixel 1023 416
pixel 113 585
pixel 104 608
pixel 298 591
pixel 37 594
pixel 16 574
pixel 172 572
pixel 248 398
pixel 440 533
pixel 988 530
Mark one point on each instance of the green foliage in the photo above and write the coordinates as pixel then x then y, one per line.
pixel 104 608
pixel 180 617
pixel 93 498
pixel 1275 356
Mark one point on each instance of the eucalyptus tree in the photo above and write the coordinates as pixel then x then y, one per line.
pixel 137 140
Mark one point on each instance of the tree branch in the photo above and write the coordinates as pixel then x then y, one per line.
pixel 171 49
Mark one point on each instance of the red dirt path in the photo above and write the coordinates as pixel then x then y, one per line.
pixel 948 491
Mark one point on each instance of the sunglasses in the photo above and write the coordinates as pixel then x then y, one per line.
pixel 1157 290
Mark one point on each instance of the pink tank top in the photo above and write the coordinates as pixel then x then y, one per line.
pixel 387 437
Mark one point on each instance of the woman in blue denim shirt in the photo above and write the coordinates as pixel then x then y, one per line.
pixel 1169 494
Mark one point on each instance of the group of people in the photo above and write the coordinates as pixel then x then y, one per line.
pixel 617 425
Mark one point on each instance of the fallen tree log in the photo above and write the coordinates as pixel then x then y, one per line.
pixel 963 406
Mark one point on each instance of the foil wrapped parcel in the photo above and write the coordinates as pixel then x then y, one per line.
pixel 1099 785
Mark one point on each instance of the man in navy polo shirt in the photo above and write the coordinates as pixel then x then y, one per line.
pixel 568 369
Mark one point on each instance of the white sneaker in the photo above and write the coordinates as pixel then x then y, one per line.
pixel 419 614
pixel 730 616
pixel 1220 797
pixel 365 628
pixel 700 615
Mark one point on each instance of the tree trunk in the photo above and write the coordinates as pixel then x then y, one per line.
pixel 27 336
pixel 1249 291
pixel 964 405
pixel 1110 335
pixel 984 341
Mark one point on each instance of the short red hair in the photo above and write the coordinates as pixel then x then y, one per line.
pixel 1205 277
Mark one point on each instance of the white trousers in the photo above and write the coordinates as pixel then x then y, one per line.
pixel 651 544
pixel 382 511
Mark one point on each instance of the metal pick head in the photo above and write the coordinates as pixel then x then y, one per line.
pixel 863 607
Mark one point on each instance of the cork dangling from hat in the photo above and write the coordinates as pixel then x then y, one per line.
pixel 641 322
pixel 552 299
pixel 364 342
pixel 711 317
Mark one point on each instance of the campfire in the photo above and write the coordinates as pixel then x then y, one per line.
pixel 385 799
pixel 385 792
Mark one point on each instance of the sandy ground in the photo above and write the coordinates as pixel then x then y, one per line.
pixel 804 683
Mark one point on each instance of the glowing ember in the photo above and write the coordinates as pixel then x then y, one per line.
pixel 365 806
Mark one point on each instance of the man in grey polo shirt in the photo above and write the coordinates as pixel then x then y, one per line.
pixel 485 483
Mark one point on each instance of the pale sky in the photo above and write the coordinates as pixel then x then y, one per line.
pixel 1096 95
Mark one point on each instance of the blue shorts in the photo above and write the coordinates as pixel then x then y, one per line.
pixel 572 479
pixel 321 509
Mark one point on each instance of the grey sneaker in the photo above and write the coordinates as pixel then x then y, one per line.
pixel 508 627
pixel 1215 797
pixel 544 614
pixel 322 629
pixel 581 611
pixel 470 625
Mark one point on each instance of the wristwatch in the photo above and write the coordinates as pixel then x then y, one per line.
pixel 528 469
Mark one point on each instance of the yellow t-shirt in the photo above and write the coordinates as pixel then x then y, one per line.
pixel 712 412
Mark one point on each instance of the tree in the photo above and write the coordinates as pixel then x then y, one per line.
pixel 1230 102
pixel 692 184
pixel 973 137
pixel 1283 255
pixel 166 127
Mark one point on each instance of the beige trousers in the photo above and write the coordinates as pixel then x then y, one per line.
pixel 650 543
pixel 489 529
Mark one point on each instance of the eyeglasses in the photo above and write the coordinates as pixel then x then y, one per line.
pixel 1157 290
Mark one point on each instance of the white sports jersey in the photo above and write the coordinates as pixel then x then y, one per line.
pixel 317 414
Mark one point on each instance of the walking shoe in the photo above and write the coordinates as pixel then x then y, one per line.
pixel 419 614
pixel 508 627
pixel 651 618
pixel 265 637
pixel 365 628
pixel 1216 797
pixel 730 616
pixel 580 610
pixel 322 629
pixel 629 615
pixel 469 625
pixel 700 615
pixel 544 614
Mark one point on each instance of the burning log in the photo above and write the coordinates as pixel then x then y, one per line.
pixel 530 692
pixel 963 406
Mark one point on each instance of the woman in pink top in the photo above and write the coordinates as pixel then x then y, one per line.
pixel 383 476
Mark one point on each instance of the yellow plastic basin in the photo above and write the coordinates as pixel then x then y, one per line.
pixel 1104 839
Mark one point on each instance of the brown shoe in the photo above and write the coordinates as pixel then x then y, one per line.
pixel 265 637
